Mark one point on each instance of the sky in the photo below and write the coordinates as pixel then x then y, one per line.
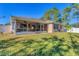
pixel 32 10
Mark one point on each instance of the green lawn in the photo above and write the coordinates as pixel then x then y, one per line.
pixel 55 44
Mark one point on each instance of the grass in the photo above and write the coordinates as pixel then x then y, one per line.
pixel 55 44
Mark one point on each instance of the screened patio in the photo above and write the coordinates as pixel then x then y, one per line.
pixel 30 27
pixel 23 25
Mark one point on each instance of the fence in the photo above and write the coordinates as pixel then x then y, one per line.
pixel 74 30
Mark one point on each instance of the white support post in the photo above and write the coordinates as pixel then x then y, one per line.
pixel 27 27
pixel 14 24
pixel 36 27
pixel 40 27
pixel 43 27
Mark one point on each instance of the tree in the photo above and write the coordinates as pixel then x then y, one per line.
pixel 47 15
pixel 52 14
pixel 76 12
pixel 75 24
pixel 66 18
pixel 59 18
pixel 66 15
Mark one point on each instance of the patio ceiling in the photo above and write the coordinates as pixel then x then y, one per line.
pixel 31 20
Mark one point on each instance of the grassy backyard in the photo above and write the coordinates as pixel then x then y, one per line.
pixel 55 44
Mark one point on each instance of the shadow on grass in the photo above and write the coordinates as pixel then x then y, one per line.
pixel 8 43
pixel 26 44
pixel 77 36
pixel 20 50
pixel 58 48
pixel 74 44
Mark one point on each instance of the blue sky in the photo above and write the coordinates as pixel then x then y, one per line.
pixel 33 10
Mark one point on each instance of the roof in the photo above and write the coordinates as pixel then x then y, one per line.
pixel 31 19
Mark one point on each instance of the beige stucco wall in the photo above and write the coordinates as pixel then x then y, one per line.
pixel 50 28
pixel 8 29
pixel 0 28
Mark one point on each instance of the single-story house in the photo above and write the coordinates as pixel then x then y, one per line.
pixel 21 25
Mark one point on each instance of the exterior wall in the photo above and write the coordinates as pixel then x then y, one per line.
pixel 6 29
pixel 11 28
pixel 1 28
pixel 50 28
